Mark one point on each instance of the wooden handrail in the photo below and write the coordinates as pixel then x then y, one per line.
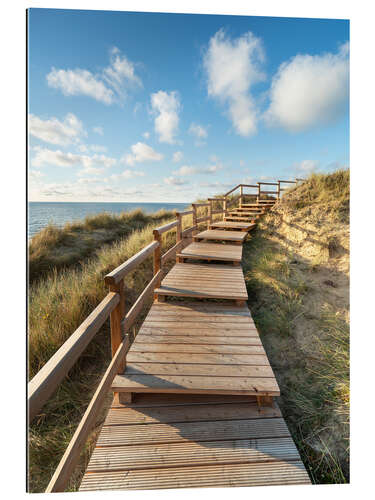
pixel 171 252
pixel 231 191
pixel 129 265
pixel 188 212
pixel 268 183
pixel 70 458
pixel 249 185
pixel 47 380
pixel 166 227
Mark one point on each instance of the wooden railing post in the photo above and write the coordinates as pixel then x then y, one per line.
pixel 258 195
pixel 116 316
pixel 225 207
pixel 157 256
pixel 210 213
pixel 241 195
pixel 278 190
pixel 179 234
pixel 194 218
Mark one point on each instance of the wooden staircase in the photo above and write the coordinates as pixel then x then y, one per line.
pixel 250 212
pixel 194 392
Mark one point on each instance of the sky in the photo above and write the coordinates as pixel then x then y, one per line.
pixel 145 107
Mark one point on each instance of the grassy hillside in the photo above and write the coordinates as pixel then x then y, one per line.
pixel 55 248
pixel 297 272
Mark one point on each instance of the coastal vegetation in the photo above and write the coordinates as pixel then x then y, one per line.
pixel 296 266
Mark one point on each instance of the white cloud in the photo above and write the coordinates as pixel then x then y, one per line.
pixel 98 130
pixel 35 174
pixel 141 152
pixel 189 170
pixel 174 181
pixel 107 87
pixel 177 156
pixel 59 158
pixel 198 131
pixel 232 86
pixel 310 90
pixel 127 174
pixel 306 166
pixel 55 131
pixel 97 148
pixel 146 135
pixel 166 107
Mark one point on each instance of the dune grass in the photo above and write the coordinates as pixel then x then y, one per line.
pixel 304 326
pixel 61 248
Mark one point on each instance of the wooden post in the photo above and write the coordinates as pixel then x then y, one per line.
pixel 278 190
pixel 224 208
pixel 116 316
pixel 210 213
pixel 157 255
pixel 178 234
pixel 258 195
pixel 194 219
pixel 241 195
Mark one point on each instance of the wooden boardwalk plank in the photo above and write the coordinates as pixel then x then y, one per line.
pixel 212 251
pixel 189 412
pixel 182 454
pixel 165 441
pixel 215 359
pixel 204 281
pixel 217 235
pixel 197 384
pixel 278 473
pixel 124 435
pixel 243 226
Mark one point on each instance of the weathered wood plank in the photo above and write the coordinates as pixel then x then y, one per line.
pixel 196 384
pixel 193 369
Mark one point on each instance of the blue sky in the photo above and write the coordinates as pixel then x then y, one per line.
pixel 172 107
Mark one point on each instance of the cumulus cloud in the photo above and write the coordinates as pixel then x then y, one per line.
pixel 108 86
pixel 141 152
pixel 198 131
pixel 309 90
pixel 306 167
pixel 243 56
pixel 127 174
pixel 98 130
pixel 165 106
pixel 55 131
pixel 174 181
pixel 59 158
pixel 146 135
pixel 189 170
pixel 177 156
pixel 35 174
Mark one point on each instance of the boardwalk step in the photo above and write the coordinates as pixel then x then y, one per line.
pixel 217 235
pixel 241 226
pixel 179 442
pixel 212 251
pixel 204 281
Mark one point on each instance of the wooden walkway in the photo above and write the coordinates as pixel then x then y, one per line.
pixel 194 392
pixel 194 405
pixel 200 349
pixel 174 441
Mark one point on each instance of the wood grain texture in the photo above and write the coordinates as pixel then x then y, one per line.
pixel 212 251
pixel 204 281
pixel 217 235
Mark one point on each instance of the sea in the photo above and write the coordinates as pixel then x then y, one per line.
pixel 59 213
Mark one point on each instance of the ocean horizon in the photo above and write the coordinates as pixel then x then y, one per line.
pixel 41 213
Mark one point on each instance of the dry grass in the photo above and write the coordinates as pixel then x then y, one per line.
pixel 61 248
pixel 298 294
